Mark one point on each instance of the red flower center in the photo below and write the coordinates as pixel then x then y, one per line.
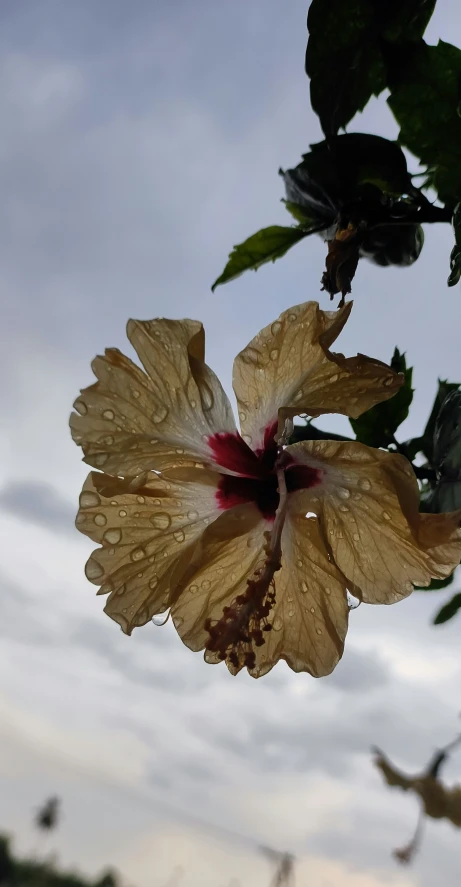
pixel 255 479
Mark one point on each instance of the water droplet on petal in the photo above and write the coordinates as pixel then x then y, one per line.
pixel 242 415
pixel 109 415
pixel 277 623
pixel 356 537
pixel 179 451
pixel 292 317
pixel 364 483
pixel 193 589
pixel 386 515
pixel 343 492
pixel 89 499
pixel 93 570
pixel 299 562
pixel 81 407
pixel 138 554
pixel 112 536
pixel 274 354
pixel 276 327
pixel 388 381
pixel 160 413
pixel 153 582
pixel 304 587
pixel 140 499
pixel 122 512
pixel 334 377
pixel 100 519
pixel 247 438
pixel 192 515
pixel 179 535
pixel 290 612
pixel 135 393
pixel 319 631
pixel 343 507
pixel 206 584
pixel 312 609
pixel 160 520
pixel 100 459
pixel 206 396
pixel 161 619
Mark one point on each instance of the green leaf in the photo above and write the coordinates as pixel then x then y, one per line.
pixel 424 82
pixel 436 584
pixel 447 437
pixel 449 610
pixel 455 258
pixel 266 245
pixel 377 426
pixel 426 441
pixel 344 53
pixel 302 215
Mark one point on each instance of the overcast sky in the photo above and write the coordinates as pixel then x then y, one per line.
pixel 140 141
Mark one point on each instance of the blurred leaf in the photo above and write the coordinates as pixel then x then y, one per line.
pixel 436 584
pixel 303 216
pixel 447 437
pixel 266 245
pixel 424 82
pixel 377 426
pixel 426 442
pixel 344 58
pixel 455 258
pixel 449 610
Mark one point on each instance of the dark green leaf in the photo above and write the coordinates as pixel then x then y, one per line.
pixel 377 426
pixel 344 59
pixel 447 437
pixel 455 258
pixel 266 245
pixel 302 215
pixel 437 584
pixel 449 610
pixel 426 442
pixel 424 82
pixel 310 432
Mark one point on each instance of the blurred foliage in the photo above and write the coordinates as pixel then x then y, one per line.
pixel 15 872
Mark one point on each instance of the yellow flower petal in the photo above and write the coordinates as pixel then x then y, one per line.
pixel 367 504
pixel 309 619
pixel 147 538
pixel 129 422
pixel 287 370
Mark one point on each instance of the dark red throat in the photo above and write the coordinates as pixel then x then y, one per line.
pixel 256 480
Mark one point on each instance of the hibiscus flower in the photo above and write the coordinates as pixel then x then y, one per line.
pixel 250 545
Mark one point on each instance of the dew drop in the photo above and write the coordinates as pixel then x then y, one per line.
pixel 343 507
pixel 312 609
pixel 153 582
pixel 387 382
pixel 161 619
pixel 81 407
pixel 153 441
pixel 334 377
pixel 109 415
pixel 364 483
pixel 138 554
pixel 100 519
pixel 356 537
pixel 343 493
pixel 193 589
pixel 93 570
pixel 328 591
pixel 193 404
pixel 140 499
pixel 386 515
pixel 160 413
pixel 136 393
pixel 247 438
pixel 290 612
pixel 292 317
pixel 274 354
pixel 192 515
pixel 160 520
pixel 299 562
pixel 276 327
pixel 242 415
pixel 100 459
pixel 277 624
pixel 112 536
pixel 206 396
pixel 108 441
pixel 179 535
pixel 206 584
pixel 356 496
pixel 122 512
pixel 89 499
pixel 179 451
pixel 304 587
pixel 319 631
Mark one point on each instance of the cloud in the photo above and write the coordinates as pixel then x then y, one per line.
pixel 39 503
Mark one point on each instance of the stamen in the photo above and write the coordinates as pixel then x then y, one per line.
pixel 244 622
